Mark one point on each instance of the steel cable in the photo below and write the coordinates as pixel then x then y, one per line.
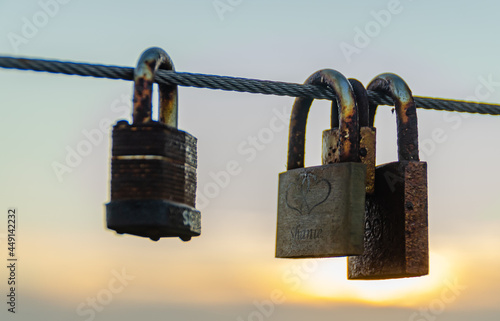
pixel 255 86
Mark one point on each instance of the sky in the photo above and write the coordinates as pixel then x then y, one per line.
pixel 70 267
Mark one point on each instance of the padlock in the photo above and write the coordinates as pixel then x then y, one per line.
pixel 330 153
pixel 396 230
pixel 321 208
pixel 153 164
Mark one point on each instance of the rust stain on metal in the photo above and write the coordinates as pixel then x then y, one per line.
pixel 396 234
pixel 330 153
pixel 362 102
pixel 396 223
pixel 368 145
pixel 297 133
pixel 348 143
pixel 153 164
pixel 417 247
pixel 406 113
pixel 153 161
pixel 144 74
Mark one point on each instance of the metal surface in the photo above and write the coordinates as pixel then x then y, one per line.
pixel 320 211
pixel 144 74
pixel 153 164
pixel 396 233
pixel 396 224
pixel 361 101
pixel 406 113
pixel 153 161
pixel 368 155
pixel 158 219
pixel 321 208
pixel 367 143
pixel 348 145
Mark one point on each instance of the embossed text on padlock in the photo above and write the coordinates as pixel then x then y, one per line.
pixel 321 208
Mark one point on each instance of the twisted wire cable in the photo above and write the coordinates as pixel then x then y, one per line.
pixel 255 86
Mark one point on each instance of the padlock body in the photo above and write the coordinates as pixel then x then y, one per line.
pixel 153 181
pixel 153 219
pixel 321 211
pixel 396 225
pixel 367 147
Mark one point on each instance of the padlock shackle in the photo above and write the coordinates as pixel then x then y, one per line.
pixel 348 121
pixel 406 113
pixel 362 102
pixel 144 74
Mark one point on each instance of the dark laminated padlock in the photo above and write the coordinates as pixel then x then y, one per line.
pixel 153 164
pixel 321 208
pixel 330 153
pixel 396 233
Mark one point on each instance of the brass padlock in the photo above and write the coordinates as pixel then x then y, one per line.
pixel 396 233
pixel 321 208
pixel 153 164
pixel 330 153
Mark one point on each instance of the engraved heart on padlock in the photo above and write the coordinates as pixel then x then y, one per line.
pixel 313 192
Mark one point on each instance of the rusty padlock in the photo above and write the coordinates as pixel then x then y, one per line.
pixel 330 153
pixel 321 208
pixel 396 230
pixel 153 164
